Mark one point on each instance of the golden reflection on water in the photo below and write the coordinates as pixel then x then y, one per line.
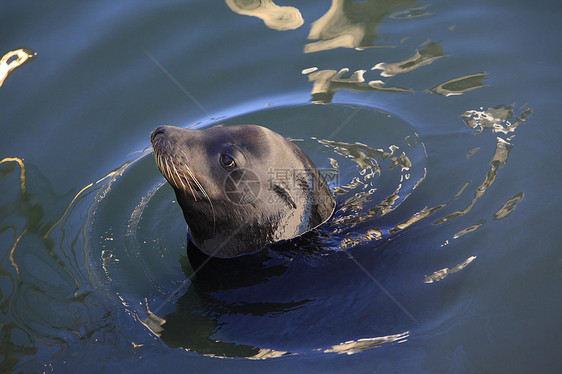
pixel 28 254
pixel 497 119
pixel 498 159
pixel 265 353
pixel 363 155
pixel 479 120
pixel 13 250
pixel 351 24
pixel 416 217
pixel 12 60
pixel 19 161
pixel 469 229
pixel 509 206
pixel 327 82
pixel 411 13
pixel 353 239
pixel 472 152
pixel 432 51
pixel 276 17
pixel 360 345
pixel 353 208
pixel 440 274
pixel 460 85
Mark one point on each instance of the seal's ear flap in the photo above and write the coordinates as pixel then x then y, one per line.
pixel 284 195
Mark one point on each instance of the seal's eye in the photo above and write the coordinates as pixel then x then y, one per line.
pixel 227 161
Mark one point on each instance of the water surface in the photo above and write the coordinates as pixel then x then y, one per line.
pixel 444 251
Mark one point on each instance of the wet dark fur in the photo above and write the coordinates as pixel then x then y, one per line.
pixel 286 205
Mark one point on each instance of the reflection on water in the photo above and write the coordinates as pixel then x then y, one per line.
pixel 411 13
pixel 440 274
pixel 324 87
pixel 356 346
pixel 276 17
pixel 472 152
pixel 41 283
pixel 358 206
pixel 12 60
pixel 351 24
pixel 469 229
pixel 426 56
pixel 460 85
pixel 509 206
pixel 496 118
pixel 498 159
pixel 18 161
pixel 328 82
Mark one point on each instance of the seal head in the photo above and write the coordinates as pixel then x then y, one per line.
pixel 241 187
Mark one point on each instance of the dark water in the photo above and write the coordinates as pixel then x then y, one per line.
pixel 443 254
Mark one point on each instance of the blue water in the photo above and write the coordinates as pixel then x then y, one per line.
pixel 443 255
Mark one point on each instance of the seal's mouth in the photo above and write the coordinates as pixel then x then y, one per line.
pixel 174 167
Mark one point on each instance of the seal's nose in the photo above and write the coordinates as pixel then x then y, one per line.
pixel 159 130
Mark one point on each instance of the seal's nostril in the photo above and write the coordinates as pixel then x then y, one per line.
pixel 159 130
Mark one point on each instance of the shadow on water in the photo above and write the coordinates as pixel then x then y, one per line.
pixel 219 291
pixel 197 313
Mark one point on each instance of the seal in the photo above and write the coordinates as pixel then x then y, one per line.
pixel 241 187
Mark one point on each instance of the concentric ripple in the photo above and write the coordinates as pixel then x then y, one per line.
pixel 138 235
pixel 136 242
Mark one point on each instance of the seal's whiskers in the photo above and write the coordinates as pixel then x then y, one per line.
pixel 194 179
pixel 163 164
pixel 180 181
pixel 168 168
